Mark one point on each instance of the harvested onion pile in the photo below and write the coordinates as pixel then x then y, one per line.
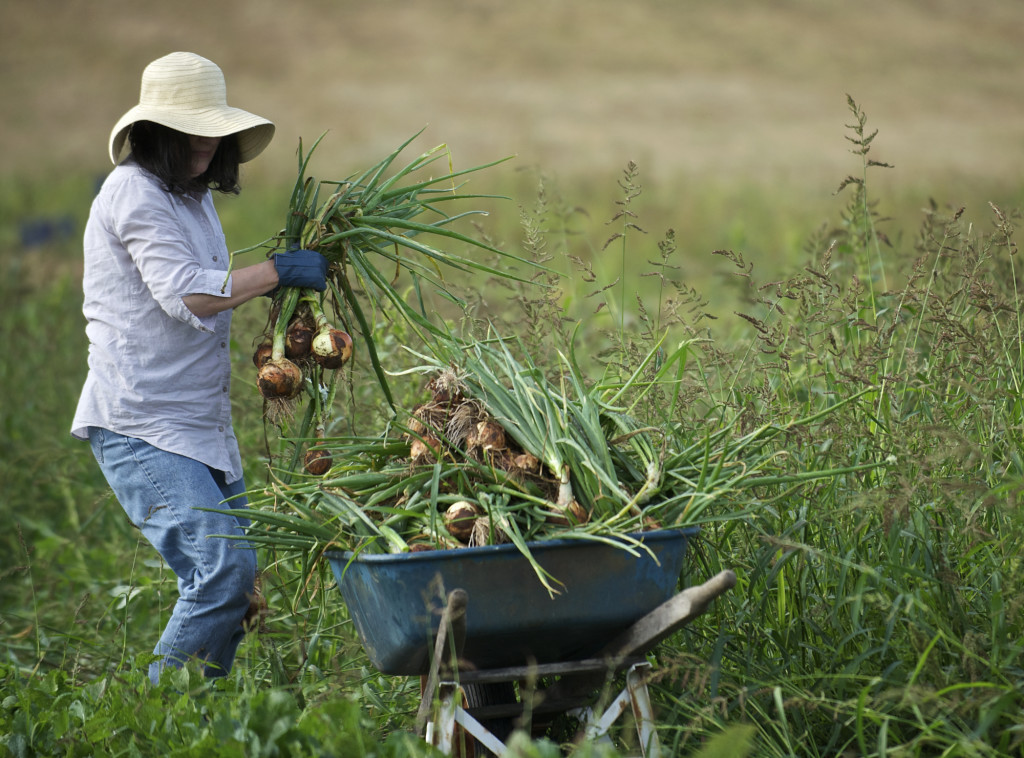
pixel 499 454
pixel 369 227
pixel 496 453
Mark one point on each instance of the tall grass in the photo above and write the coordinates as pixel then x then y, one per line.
pixel 876 613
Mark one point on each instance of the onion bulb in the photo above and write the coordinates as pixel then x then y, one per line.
pixel 279 379
pixel 424 450
pixel 318 460
pixel 298 339
pixel 573 514
pixel 489 436
pixel 332 348
pixel 264 351
pixel 460 518
pixel 527 463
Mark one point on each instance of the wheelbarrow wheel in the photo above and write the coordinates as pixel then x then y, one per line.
pixel 496 693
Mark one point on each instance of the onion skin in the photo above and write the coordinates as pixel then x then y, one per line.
pixel 424 450
pixel 527 463
pixel 415 423
pixel 460 518
pixel 298 340
pixel 279 379
pixel 489 435
pixel 318 461
pixel 264 352
pixel 332 348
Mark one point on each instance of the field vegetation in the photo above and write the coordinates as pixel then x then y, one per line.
pixel 876 613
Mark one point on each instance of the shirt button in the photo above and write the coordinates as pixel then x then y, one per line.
pixel 220 428
pixel 215 257
pixel 223 344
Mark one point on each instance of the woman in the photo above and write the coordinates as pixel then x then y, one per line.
pixel 155 407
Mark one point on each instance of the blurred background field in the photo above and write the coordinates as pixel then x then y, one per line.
pixel 736 115
pixel 733 111
pixel 728 92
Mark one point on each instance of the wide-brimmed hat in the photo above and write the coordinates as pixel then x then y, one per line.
pixel 186 92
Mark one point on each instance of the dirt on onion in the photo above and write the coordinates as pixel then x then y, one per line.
pixel 279 379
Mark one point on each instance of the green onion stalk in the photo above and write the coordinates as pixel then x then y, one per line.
pixel 627 475
pixel 371 226
pixel 569 460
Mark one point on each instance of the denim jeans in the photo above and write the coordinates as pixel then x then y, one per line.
pixel 160 492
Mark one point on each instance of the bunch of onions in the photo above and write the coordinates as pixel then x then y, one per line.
pixel 370 226
pixel 279 378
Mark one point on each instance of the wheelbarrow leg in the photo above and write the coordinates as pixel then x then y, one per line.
pixel 667 618
pixel 643 713
pixel 441 731
pixel 446 651
pixel 634 695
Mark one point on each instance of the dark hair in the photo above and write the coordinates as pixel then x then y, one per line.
pixel 165 153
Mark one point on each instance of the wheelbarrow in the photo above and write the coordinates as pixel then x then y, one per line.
pixel 477 623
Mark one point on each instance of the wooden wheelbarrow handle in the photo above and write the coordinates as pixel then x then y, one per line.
pixel 668 617
pixel 643 635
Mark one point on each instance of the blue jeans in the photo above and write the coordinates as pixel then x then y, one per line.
pixel 160 492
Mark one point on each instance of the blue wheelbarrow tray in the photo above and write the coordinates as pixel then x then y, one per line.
pixel 396 600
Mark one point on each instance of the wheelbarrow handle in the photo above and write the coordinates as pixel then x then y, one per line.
pixel 669 617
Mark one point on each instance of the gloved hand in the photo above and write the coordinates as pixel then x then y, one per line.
pixel 301 268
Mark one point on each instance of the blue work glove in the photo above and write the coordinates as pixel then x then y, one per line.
pixel 301 268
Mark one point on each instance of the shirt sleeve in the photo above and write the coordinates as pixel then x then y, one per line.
pixel 165 247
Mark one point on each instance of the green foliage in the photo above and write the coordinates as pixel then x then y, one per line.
pixel 871 614
pixel 124 715
pixel 876 612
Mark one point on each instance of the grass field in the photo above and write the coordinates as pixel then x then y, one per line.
pixel 734 113
pixel 739 92
pixel 876 614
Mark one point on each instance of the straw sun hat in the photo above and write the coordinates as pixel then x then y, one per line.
pixel 186 92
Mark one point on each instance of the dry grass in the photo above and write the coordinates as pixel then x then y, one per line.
pixel 734 92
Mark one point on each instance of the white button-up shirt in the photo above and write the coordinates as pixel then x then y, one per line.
pixel 157 371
